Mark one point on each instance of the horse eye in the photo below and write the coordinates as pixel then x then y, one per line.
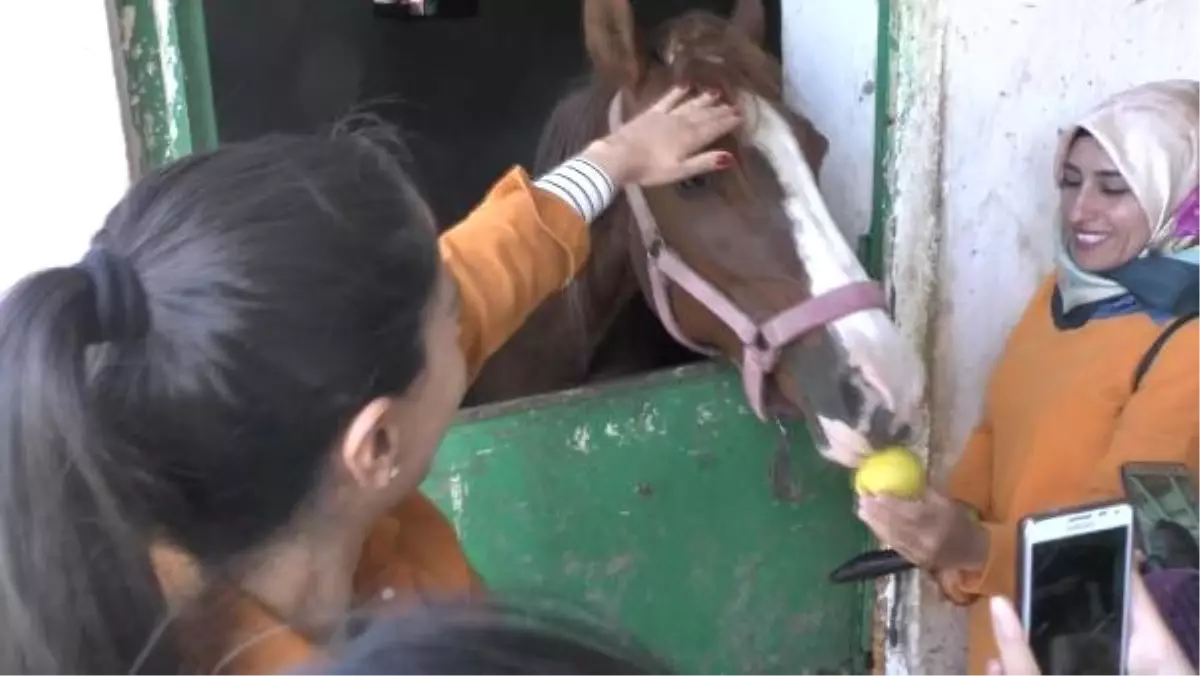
pixel 693 184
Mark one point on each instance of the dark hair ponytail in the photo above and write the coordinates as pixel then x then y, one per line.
pixel 79 594
pixel 184 386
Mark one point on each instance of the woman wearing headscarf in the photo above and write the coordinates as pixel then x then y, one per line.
pixel 1100 370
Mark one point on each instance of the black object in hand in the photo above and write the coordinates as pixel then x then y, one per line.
pixel 870 565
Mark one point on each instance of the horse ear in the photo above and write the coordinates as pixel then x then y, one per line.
pixel 609 33
pixel 750 18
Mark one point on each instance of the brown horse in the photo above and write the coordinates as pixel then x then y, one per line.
pixel 759 238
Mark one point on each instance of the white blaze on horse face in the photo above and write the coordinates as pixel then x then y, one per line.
pixel 870 339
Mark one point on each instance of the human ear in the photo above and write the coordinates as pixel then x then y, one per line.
pixel 370 448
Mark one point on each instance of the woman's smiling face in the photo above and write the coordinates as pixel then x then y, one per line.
pixel 1104 224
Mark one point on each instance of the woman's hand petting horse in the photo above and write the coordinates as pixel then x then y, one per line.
pixel 665 143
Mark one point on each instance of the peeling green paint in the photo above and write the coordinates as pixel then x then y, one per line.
pixel 880 189
pixel 649 500
pixel 876 595
pixel 168 89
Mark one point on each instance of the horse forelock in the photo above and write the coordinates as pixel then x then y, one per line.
pixel 704 51
pixel 701 49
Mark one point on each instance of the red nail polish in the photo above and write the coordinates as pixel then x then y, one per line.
pixel 725 161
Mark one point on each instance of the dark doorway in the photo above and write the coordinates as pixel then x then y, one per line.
pixel 470 94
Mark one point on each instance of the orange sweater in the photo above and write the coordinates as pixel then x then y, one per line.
pixel 509 255
pixel 1059 420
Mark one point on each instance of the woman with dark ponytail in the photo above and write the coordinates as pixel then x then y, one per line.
pixel 215 425
pixel 73 567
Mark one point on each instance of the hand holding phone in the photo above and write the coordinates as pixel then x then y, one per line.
pixel 1152 647
pixel 1074 573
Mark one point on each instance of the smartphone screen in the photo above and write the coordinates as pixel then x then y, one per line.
pixel 1163 496
pixel 1077 603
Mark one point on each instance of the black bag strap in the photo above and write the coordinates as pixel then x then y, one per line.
pixel 1151 354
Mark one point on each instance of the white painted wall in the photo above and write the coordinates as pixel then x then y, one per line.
pixel 982 90
pixel 829 73
pixel 62 143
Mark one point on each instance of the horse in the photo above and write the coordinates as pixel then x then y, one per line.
pixel 744 264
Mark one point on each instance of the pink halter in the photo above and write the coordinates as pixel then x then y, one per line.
pixel 762 344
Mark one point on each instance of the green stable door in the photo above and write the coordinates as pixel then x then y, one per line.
pixel 649 500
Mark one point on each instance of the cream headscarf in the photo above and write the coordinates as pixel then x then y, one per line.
pixel 1150 133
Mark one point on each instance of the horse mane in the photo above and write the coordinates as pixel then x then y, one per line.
pixel 579 118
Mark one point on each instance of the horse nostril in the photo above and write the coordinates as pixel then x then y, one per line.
pixel 883 429
pixel 852 396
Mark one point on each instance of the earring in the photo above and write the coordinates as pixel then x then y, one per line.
pixel 393 473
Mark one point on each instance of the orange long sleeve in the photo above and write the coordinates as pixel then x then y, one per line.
pixel 1059 421
pixel 508 256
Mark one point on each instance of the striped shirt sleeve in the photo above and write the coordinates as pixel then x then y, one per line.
pixel 581 184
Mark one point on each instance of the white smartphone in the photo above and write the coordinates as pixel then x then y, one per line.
pixel 1074 567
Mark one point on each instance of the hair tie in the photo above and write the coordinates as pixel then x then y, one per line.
pixel 122 313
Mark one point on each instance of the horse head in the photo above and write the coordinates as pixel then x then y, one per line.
pixel 748 263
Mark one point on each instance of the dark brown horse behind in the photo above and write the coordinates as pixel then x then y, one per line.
pixel 759 235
